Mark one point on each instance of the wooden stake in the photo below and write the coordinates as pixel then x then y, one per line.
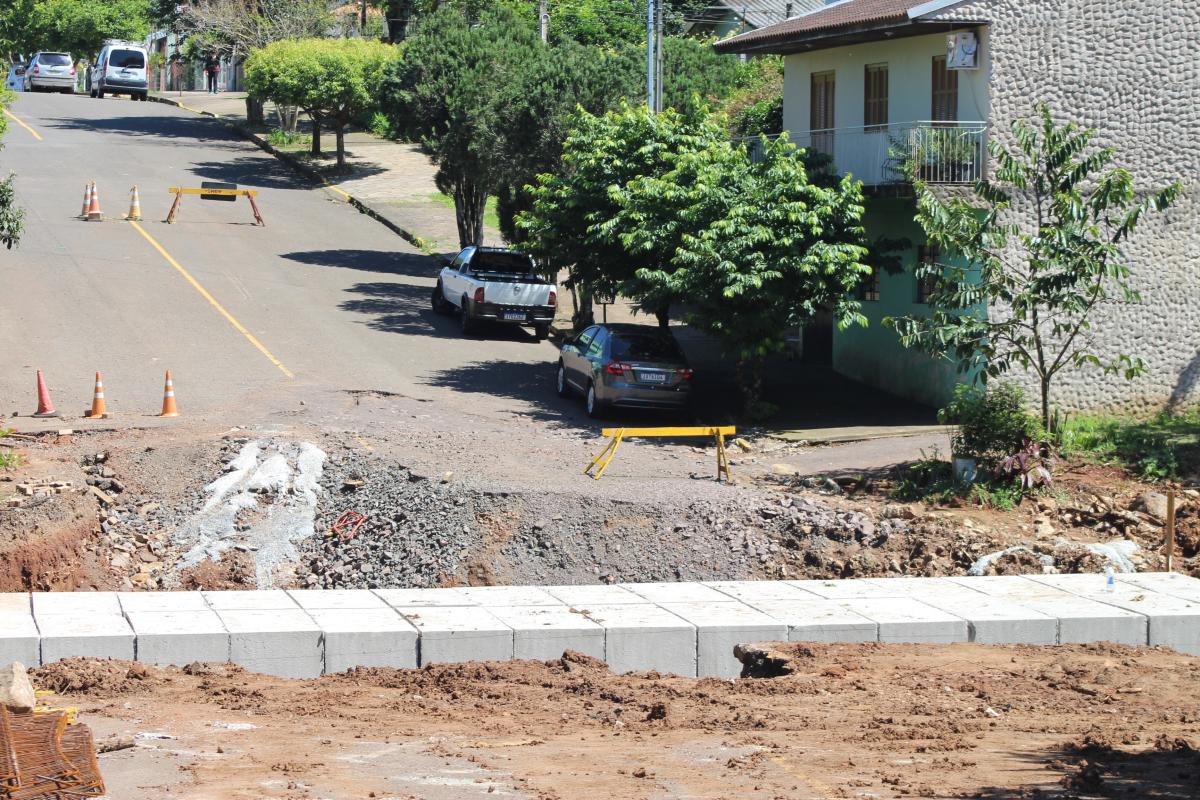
pixel 1170 527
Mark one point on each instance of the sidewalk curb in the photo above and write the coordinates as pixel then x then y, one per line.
pixel 313 175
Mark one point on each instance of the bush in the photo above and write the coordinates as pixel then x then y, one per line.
pixel 991 424
pixel 1165 446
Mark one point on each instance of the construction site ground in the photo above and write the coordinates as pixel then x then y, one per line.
pixel 849 721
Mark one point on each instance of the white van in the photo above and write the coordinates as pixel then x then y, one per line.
pixel 120 68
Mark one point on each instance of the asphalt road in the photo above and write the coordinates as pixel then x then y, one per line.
pixel 322 299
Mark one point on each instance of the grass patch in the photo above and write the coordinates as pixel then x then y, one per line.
pixel 931 480
pixel 288 141
pixel 8 458
pixel 490 217
pixel 1164 447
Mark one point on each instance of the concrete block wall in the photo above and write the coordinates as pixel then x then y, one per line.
pixel 679 628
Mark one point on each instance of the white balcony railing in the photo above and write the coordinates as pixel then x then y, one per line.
pixel 940 152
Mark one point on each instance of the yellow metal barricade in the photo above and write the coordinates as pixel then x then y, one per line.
pixel 617 435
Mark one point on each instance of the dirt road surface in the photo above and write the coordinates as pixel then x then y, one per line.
pixel 851 721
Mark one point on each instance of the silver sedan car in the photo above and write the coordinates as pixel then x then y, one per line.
pixel 50 72
pixel 628 366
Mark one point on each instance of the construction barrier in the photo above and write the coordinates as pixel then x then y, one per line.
pixel 209 193
pixel 617 435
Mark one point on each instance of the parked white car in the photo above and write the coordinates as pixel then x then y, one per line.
pixel 120 68
pixel 50 72
pixel 15 82
pixel 489 284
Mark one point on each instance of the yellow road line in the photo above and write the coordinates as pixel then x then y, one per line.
pixel 17 120
pixel 239 327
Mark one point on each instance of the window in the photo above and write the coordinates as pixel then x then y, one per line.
pixel 820 116
pixel 54 59
pixel 875 97
pixel 641 347
pixel 945 92
pixel 586 337
pixel 868 289
pixel 926 285
pixel 597 346
pixel 127 59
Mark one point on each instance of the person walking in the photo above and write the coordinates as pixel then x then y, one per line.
pixel 212 69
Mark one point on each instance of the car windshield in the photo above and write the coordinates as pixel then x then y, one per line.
pixel 511 263
pixel 54 59
pixel 127 59
pixel 645 347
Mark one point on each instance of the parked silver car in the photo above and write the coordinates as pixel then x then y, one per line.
pixel 16 78
pixel 630 366
pixel 50 72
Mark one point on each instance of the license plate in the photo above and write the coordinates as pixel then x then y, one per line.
pixel 652 377
pixel 514 315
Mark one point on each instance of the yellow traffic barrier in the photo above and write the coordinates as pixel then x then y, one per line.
pixel 207 193
pixel 617 435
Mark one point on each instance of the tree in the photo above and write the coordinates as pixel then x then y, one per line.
pixel 334 80
pixel 77 26
pixel 11 217
pixel 1042 246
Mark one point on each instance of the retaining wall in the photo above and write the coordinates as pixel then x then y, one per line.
pixel 680 628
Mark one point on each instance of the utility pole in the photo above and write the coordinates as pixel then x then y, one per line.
pixel 651 73
pixel 543 21
pixel 658 56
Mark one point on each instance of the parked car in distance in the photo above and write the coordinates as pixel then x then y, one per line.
pixel 628 366
pixel 50 72
pixel 492 284
pixel 120 68
pixel 15 82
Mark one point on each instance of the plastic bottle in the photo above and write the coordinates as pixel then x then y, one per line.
pixel 1110 582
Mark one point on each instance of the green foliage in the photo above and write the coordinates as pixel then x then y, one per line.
pixel 281 138
pixel 75 26
pixel 337 80
pixel 931 480
pixel 11 216
pixel 1043 240
pixel 8 460
pixel 1166 446
pixel 990 424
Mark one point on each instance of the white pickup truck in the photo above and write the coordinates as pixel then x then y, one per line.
pixel 490 284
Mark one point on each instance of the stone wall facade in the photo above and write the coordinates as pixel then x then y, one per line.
pixel 1131 71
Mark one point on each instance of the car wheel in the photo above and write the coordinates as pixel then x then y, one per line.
pixel 542 332
pixel 468 324
pixel 437 300
pixel 560 381
pixel 595 408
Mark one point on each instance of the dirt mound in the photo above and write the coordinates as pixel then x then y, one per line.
pixel 96 678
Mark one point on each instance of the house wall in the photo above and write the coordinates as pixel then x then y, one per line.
pixel 910 82
pixel 1131 71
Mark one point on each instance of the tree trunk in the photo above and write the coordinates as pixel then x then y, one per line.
pixel 663 314
pixel 469 202
pixel 287 117
pixel 1046 403
pixel 749 378
pixel 316 135
pixel 254 111
pixel 340 133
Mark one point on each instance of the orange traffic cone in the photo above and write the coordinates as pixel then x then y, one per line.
pixel 169 409
pixel 45 405
pixel 99 409
pixel 87 199
pixel 135 206
pixel 93 213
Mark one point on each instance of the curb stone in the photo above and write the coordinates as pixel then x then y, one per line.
pixel 313 175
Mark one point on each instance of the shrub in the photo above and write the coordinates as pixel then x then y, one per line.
pixel 991 424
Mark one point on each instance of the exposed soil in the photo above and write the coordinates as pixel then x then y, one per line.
pixel 886 721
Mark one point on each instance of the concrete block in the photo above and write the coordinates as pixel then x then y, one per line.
pixel 594 595
pixel 91 635
pixel 250 600
pixel 452 634
pixel 366 637
pixel 677 592
pixel 330 599
pixel 1171 583
pixel 721 626
pixel 179 637
pixel 282 641
pixel 1080 620
pixel 15 601
pixel 761 591
pixel 489 596
pixel 904 620
pixel 82 603
pixel 840 590
pixel 1172 621
pixel 409 598
pixel 819 620
pixel 643 636
pixel 544 632
pixel 19 638
pixel 990 620
pixel 162 601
